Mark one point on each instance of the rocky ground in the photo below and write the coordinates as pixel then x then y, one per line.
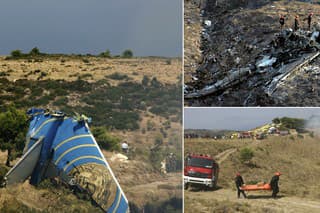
pixel 247 60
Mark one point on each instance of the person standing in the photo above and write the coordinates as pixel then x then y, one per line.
pixel 281 21
pixel 125 147
pixel 309 19
pixel 296 23
pixel 239 182
pixel 274 184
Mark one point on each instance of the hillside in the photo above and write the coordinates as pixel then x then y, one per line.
pixel 296 157
pixel 137 100
pixel 243 61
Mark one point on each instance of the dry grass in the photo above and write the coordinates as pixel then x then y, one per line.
pixel 72 68
pixel 298 160
pixel 27 198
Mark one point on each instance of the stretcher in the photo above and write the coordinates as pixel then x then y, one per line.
pixel 256 187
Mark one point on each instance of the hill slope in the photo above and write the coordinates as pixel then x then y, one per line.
pixel 137 100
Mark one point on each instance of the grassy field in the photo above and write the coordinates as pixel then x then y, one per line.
pixel 296 157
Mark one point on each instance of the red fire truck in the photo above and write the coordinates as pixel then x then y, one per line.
pixel 200 170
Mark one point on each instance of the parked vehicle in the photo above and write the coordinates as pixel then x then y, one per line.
pixel 200 170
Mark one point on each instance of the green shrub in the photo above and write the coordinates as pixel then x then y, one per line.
pixel 105 54
pixel 34 51
pixel 127 54
pixel 16 53
pixel 105 140
pixel 311 134
pixel 246 154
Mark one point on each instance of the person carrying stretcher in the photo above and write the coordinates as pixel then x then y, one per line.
pixel 274 184
pixel 239 182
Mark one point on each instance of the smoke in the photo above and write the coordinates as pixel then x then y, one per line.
pixel 313 124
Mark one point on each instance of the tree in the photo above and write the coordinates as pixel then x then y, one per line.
pixel 106 54
pixel 127 54
pixel 13 129
pixel 16 53
pixel 276 121
pixel 34 51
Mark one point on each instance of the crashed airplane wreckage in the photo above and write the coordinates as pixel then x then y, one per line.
pixel 63 147
pixel 287 53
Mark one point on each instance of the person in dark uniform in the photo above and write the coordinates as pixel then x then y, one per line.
pixel 274 184
pixel 309 19
pixel 281 21
pixel 296 23
pixel 239 182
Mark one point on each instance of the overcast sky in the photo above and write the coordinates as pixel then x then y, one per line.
pixel 239 118
pixel 148 27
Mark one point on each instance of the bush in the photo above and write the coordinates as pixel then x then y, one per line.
pixel 127 54
pixel 246 154
pixel 105 140
pixel 16 53
pixel 311 134
pixel 117 76
pixel 145 81
pixel 34 51
pixel 106 54
pixel 86 61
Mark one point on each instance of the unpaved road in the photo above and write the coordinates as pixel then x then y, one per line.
pixel 256 200
pixel 224 155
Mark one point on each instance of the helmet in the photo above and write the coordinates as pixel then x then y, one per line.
pixel 277 173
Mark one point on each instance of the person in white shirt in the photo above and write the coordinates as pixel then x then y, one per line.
pixel 125 147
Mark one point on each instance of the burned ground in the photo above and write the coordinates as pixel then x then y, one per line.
pixel 246 60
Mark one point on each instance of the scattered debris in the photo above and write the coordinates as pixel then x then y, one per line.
pixel 248 71
pixel 266 62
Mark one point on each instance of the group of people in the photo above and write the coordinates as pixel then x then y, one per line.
pixel 296 21
pixel 273 183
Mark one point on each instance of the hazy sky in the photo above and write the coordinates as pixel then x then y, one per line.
pixel 148 27
pixel 239 118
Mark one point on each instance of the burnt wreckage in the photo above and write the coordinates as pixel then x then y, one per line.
pixel 258 82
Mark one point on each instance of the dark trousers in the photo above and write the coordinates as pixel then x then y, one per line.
pixel 275 192
pixel 241 191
